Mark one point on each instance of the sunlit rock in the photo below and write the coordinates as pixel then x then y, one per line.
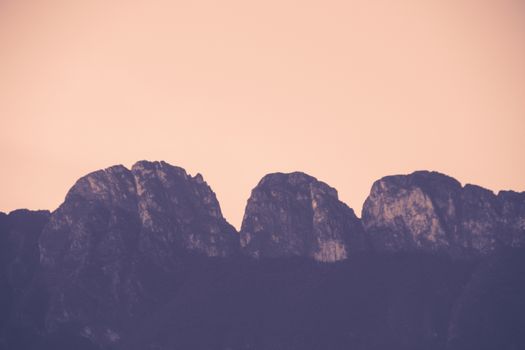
pixel 297 215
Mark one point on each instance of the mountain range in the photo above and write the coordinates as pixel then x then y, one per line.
pixel 143 258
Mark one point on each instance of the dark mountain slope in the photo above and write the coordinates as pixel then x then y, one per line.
pixel 400 301
pixel 22 303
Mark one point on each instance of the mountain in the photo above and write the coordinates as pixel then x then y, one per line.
pixel 115 248
pixel 142 258
pixel 429 211
pixel 296 215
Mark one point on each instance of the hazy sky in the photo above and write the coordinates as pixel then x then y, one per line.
pixel 348 91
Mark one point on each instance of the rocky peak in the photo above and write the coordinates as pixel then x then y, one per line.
pixel 184 208
pixel 114 186
pixel 177 211
pixel 296 215
pixel 117 239
pixel 433 212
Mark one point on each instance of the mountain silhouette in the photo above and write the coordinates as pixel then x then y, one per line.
pixel 143 258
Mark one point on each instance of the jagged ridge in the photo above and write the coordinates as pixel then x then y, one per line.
pixel 119 240
pixel 119 244
pixel 432 212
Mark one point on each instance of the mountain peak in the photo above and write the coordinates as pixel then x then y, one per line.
pixel 159 166
pixel 297 180
pixel 114 185
pixel 432 212
pixel 294 214
pixel 127 225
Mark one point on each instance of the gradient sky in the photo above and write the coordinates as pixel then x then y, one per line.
pixel 347 91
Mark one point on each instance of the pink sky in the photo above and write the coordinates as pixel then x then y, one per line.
pixel 348 91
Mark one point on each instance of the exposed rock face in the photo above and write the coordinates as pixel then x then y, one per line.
pixel 296 215
pixel 429 211
pixel 88 252
pixel 180 212
pixel 112 248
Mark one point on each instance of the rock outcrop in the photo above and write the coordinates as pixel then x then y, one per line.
pixel 297 215
pixel 179 212
pixel 429 211
pixel 115 247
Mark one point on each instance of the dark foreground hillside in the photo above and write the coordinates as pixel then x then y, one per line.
pixel 401 301
pixel 366 302
pixel 397 301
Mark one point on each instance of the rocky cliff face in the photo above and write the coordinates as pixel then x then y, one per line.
pixel 428 211
pixel 297 215
pixel 114 247
pixel 179 212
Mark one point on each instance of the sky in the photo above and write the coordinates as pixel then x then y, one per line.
pixel 347 91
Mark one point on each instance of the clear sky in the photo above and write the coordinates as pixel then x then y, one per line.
pixel 347 91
